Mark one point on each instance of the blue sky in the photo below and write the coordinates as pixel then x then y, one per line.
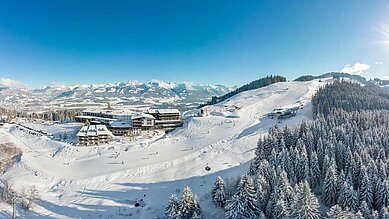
pixel 218 41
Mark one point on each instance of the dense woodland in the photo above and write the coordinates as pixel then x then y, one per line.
pixel 251 86
pixel 335 167
pixel 7 113
pixel 332 75
pixel 51 115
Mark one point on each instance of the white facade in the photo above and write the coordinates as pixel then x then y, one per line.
pixel 94 135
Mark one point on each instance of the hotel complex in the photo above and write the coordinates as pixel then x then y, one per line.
pixel 94 135
pixel 128 123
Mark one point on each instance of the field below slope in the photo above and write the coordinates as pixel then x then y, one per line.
pixel 106 181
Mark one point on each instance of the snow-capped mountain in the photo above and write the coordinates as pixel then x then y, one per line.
pixel 130 92
pixel 134 89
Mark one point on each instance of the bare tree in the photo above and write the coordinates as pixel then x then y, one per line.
pixel 9 195
pixel 26 199
pixel 30 198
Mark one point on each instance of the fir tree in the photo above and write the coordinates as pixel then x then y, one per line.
pixel 366 191
pixel 263 192
pixel 365 210
pixel 219 192
pixel 384 213
pixel 280 208
pixel 348 198
pixel 247 192
pixel 235 208
pixel 187 204
pixel 330 190
pixel 304 205
pixel 195 216
pixel 282 190
pixel 196 208
pixel 336 212
pixel 172 208
pixel 383 194
pixel 244 203
pixel 315 173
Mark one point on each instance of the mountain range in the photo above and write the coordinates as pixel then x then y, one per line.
pixel 155 92
pixel 183 95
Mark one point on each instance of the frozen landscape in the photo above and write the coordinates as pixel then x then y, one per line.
pixel 194 109
pixel 105 181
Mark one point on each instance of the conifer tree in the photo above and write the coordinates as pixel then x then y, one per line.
pixel 282 190
pixel 244 203
pixel 280 209
pixel 330 187
pixel 195 216
pixel 304 205
pixel 320 152
pixel 382 194
pixel 219 195
pixel 196 208
pixel 186 204
pixel 336 212
pixel 384 213
pixel 235 208
pixel 263 192
pixel 172 208
pixel 315 173
pixel 247 191
pixel 348 198
pixel 366 191
pixel 365 210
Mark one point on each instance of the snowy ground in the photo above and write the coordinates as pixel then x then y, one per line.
pixel 105 181
pixel 57 131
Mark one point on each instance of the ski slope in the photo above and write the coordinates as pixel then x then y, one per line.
pixel 105 181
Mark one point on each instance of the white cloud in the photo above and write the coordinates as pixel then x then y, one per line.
pixel 379 63
pixel 385 77
pixel 6 82
pixel 357 68
pixel 58 84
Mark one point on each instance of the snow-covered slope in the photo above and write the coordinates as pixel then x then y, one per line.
pixel 105 181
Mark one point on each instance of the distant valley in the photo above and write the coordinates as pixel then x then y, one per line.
pixel 132 93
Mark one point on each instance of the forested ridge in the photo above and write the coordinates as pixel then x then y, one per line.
pixel 262 82
pixel 332 75
pixel 335 167
pixel 350 97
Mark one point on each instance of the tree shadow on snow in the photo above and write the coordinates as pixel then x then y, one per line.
pixel 121 203
pixel 157 194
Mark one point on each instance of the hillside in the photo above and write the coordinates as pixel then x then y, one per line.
pixel 105 181
pixel 332 167
pixel 262 82
pixel 330 75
